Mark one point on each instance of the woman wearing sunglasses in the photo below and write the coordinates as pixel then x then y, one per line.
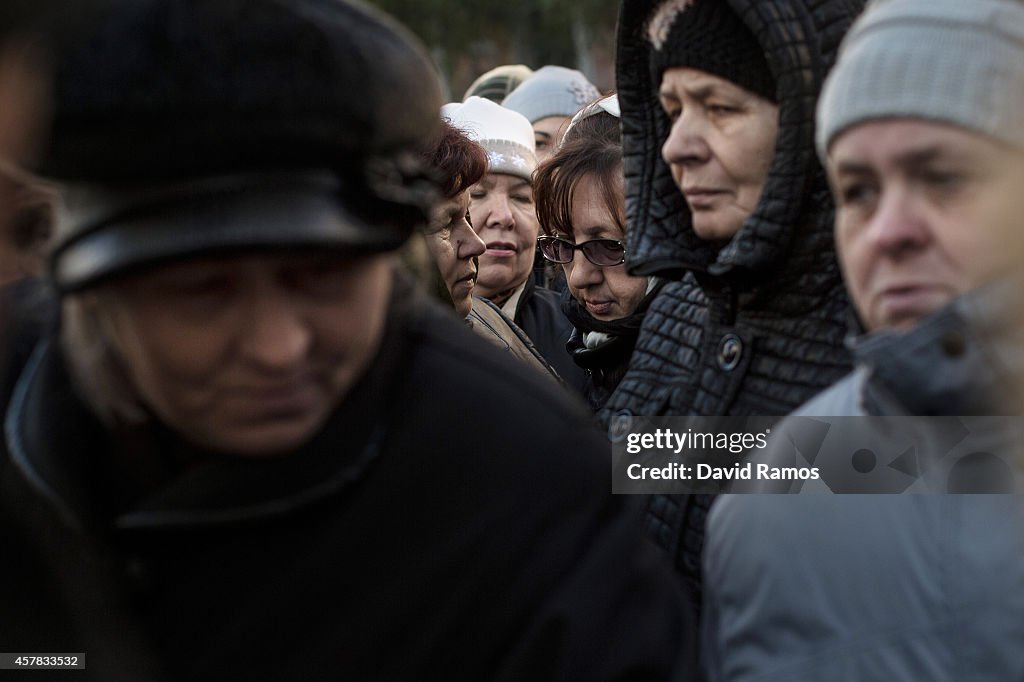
pixel 580 205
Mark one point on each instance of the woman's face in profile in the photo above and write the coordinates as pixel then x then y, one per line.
pixel 455 248
pixel 719 148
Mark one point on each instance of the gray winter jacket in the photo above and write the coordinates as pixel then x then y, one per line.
pixel 880 587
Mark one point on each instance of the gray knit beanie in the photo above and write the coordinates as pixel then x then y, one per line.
pixel 954 61
pixel 551 91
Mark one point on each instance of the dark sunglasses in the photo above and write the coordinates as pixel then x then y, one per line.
pixel 603 252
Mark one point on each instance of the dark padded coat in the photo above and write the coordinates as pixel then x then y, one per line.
pixel 754 326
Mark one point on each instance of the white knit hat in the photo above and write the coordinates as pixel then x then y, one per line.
pixel 551 91
pixel 953 61
pixel 506 136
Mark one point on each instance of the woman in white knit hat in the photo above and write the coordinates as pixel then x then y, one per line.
pixel 455 248
pixel 503 214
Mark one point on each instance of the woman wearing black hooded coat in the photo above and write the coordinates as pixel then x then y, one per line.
pixel 753 319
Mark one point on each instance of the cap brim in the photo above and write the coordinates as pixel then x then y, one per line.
pixel 270 218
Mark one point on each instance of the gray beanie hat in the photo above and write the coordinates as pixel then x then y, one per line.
pixel 952 61
pixel 551 91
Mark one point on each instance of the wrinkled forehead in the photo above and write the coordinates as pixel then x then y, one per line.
pixel 905 142
pixel 504 182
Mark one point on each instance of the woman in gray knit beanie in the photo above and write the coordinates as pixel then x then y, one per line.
pixel 548 99
pixel 920 128
pixel 919 125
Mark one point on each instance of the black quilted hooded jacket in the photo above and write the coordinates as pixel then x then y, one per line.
pixel 754 326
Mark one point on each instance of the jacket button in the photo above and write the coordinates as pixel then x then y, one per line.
pixel 729 352
pixel 953 344
pixel 620 425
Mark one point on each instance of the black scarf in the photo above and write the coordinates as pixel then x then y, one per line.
pixel 623 332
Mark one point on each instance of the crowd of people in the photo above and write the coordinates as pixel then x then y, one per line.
pixel 310 375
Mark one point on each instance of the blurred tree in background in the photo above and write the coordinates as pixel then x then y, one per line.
pixel 467 38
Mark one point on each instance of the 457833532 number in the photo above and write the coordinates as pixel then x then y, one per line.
pixel 20 661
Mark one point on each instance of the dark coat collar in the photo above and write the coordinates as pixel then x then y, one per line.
pixel 622 333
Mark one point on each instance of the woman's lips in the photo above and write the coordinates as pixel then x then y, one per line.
pixel 599 307
pixel 701 197
pixel 501 249
pixel 284 401
pixel 906 304
pixel 467 280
